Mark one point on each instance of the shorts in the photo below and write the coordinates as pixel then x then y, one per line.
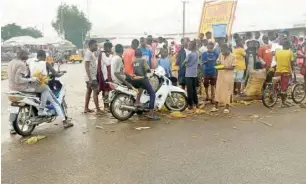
pixel 284 81
pixel 209 80
pixel 239 76
pixel 93 86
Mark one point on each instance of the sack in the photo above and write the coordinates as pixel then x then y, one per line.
pixel 303 68
pixel 255 84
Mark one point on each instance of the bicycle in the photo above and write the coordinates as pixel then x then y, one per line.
pixel 272 92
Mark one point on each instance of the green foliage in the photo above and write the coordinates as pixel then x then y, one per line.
pixel 72 23
pixel 12 30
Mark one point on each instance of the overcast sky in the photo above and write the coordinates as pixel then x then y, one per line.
pixel 151 16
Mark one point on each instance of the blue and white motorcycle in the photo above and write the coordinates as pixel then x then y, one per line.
pixel 24 107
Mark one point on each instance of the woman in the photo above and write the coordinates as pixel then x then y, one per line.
pixel 225 82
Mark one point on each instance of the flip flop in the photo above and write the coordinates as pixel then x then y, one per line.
pixel 88 111
pixel 154 118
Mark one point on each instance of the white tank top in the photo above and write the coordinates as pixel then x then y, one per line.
pixel 38 66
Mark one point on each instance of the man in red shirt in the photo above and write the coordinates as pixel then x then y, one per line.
pixel 265 53
pixel 129 57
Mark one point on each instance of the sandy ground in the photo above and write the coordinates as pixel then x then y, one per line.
pixel 251 145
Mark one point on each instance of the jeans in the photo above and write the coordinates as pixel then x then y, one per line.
pixel 191 83
pixel 151 93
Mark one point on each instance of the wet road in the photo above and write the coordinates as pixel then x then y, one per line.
pixel 222 149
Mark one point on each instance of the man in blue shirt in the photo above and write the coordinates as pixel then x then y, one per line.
pixel 209 61
pixel 164 62
pixel 146 52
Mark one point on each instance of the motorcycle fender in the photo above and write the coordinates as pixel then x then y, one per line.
pixel 12 117
pixel 177 89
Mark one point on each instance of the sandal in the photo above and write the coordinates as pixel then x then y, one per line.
pixel 214 109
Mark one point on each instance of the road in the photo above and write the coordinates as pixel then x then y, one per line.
pixel 250 145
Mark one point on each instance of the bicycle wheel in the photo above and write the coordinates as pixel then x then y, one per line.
pixel 298 93
pixel 269 96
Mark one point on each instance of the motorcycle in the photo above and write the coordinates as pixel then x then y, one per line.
pixel 122 100
pixel 24 107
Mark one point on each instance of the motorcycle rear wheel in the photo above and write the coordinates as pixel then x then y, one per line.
pixel 114 108
pixel 22 118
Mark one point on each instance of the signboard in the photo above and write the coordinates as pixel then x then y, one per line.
pixel 217 13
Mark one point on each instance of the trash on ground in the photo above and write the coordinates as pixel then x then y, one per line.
pixel 265 123
pixel 142 128
pixel 255 116
pixel 177 114
pixel 34 139
pixel 99 127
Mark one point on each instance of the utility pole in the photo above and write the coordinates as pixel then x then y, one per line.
pixel 184 13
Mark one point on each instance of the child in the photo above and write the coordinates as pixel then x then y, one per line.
pixel 239 54
pixel 225 82
pixel 191 75
pixel 284 59
pixel 209 60
pixel 141 68
pixel 165 62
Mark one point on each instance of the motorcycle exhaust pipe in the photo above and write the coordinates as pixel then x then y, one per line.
pixel 129 108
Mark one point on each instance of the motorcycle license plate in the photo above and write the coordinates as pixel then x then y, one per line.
pixel 13 110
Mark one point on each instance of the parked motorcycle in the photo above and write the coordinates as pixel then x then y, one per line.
pixel 24 107
pixel 122 100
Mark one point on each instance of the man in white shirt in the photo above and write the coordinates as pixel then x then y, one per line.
pixel 91 77
pixel 117 67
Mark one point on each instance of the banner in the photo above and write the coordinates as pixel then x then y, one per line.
pixel 217 13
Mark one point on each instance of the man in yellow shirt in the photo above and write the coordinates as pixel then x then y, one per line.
pixel 284 59
pixel 239 54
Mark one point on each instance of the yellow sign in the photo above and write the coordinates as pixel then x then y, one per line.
pixel 217 13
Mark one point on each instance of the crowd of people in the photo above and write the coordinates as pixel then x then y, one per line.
pixel 210 63
pixel 198 65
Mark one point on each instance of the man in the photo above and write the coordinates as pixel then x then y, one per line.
pixel 208 36
pixel 129 57
pixel 91 77
pixel 220 41
pixel 257 36
pixel 265 53
pixel 160 46
pixel 201 37
pixel 117 67
pixel 284 59
pixel 152 46
pixel 146 52
pixel 181 56
pixel 248 37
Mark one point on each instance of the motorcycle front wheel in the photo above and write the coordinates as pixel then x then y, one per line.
pixel 22 124
pixel 117 102
pixel 176 102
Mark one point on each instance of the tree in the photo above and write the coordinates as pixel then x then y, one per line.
pixel 72 23
pixel 11 30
